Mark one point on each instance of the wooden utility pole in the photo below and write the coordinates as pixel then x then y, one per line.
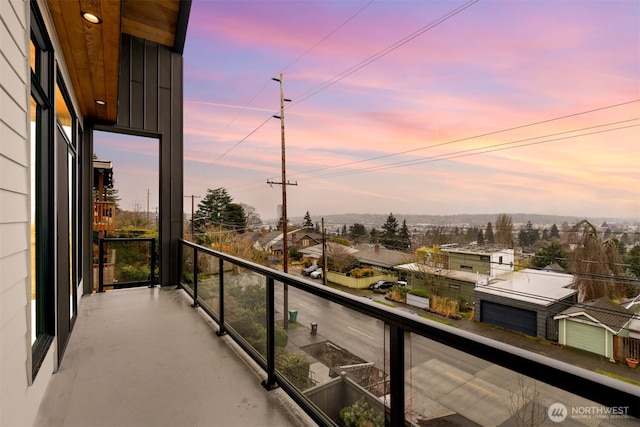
pixel 285 249
pixel 325 268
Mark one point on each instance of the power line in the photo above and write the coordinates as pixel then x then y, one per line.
pixel 471 152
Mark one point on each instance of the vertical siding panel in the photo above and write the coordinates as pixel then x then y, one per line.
pixel 124 88
pixel 137 83
pixel 151 87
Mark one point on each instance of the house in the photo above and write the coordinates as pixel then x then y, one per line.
pixel 380 258
pixel 592 325
pixel 300 238
pixel 524 301
pixel 453 270
pixel 69 68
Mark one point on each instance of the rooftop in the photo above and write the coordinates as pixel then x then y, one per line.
pixel 532 286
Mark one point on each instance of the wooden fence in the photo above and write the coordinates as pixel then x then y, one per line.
pixel 624 347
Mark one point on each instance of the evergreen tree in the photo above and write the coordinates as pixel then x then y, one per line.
pixel 404 238
pixel 213 210
pixel 343 232
pixel 554 233
pixel 236 219
pixel 389 236
pixel 552 253
pixel 489 234
pixel 357 232
pixel 307 224
pixel 480 239
pixel 374 236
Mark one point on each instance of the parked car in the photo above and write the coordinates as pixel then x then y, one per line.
pixel 381 285
pixel 402 283
pixel 307 271
pixel 316 274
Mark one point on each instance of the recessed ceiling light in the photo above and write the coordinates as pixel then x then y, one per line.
pixel 100 102
pixel 90 17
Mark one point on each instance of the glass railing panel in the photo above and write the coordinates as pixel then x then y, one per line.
pixel 126 261
pixel 188 267
pixel 335 356
pixel 445 386
pixel 246 305
pixel 209 281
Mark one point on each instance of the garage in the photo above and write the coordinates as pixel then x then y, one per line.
pixel 507 317
pixel 586 337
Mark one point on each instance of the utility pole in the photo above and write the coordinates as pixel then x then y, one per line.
pixel 285 249
pixel 193 197
pixel 325 268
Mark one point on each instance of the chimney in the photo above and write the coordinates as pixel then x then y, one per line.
pixel 377 247
pixel 293 238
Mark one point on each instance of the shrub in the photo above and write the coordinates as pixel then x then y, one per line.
pixel 294 367
pixel 129 273
pixel 420 293
pixel 362 272
pixel 360 414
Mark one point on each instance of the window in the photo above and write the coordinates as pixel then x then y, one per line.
pixel 466 267
pixel 500 260
pixel 41 190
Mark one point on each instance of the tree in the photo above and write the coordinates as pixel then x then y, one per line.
pixel 597 267
pixel 633 261
pixel 554 233
pixel 307 224
pixel 389 236
pixel 488 237
pixel 213 210
pixel 480 238
pixel 357 232
pixel 404 238
pixel 552 253
pixel 235 218
pixel 252 217
pixel 343 231
pixel 374 236
pixel 504 231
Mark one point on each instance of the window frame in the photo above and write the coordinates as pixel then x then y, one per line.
pixel 42 88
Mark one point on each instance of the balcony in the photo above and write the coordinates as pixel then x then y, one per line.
pixel 104 216
pixel 149 356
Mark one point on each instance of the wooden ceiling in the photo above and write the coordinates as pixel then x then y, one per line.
pixel 92 51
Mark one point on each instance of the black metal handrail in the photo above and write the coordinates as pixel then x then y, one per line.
pixel 151 280
pixel 575 380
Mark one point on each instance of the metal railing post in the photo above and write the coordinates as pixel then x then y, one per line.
pixel 152 284
pixel 396 372
pixel 270 383
pixel 101 265
pixel 221 329
pixel 195 278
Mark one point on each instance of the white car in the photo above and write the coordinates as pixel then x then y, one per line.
pixel 316 274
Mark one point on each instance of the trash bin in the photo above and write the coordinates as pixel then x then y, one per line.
pixel 293 316
pixel 314 328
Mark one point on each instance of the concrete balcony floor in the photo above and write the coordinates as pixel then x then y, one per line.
pixel 145 357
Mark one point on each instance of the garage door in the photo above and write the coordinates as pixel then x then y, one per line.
pixel 513 318
pixel 586 337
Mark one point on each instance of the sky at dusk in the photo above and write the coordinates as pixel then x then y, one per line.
pixel 410 107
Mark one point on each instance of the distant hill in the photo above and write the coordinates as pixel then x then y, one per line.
pixel 377 220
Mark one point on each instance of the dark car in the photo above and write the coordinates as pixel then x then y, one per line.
pixel 381 285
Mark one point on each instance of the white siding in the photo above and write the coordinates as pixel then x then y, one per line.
pixel 19 400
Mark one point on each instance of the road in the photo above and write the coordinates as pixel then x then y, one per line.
pixel 440 380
